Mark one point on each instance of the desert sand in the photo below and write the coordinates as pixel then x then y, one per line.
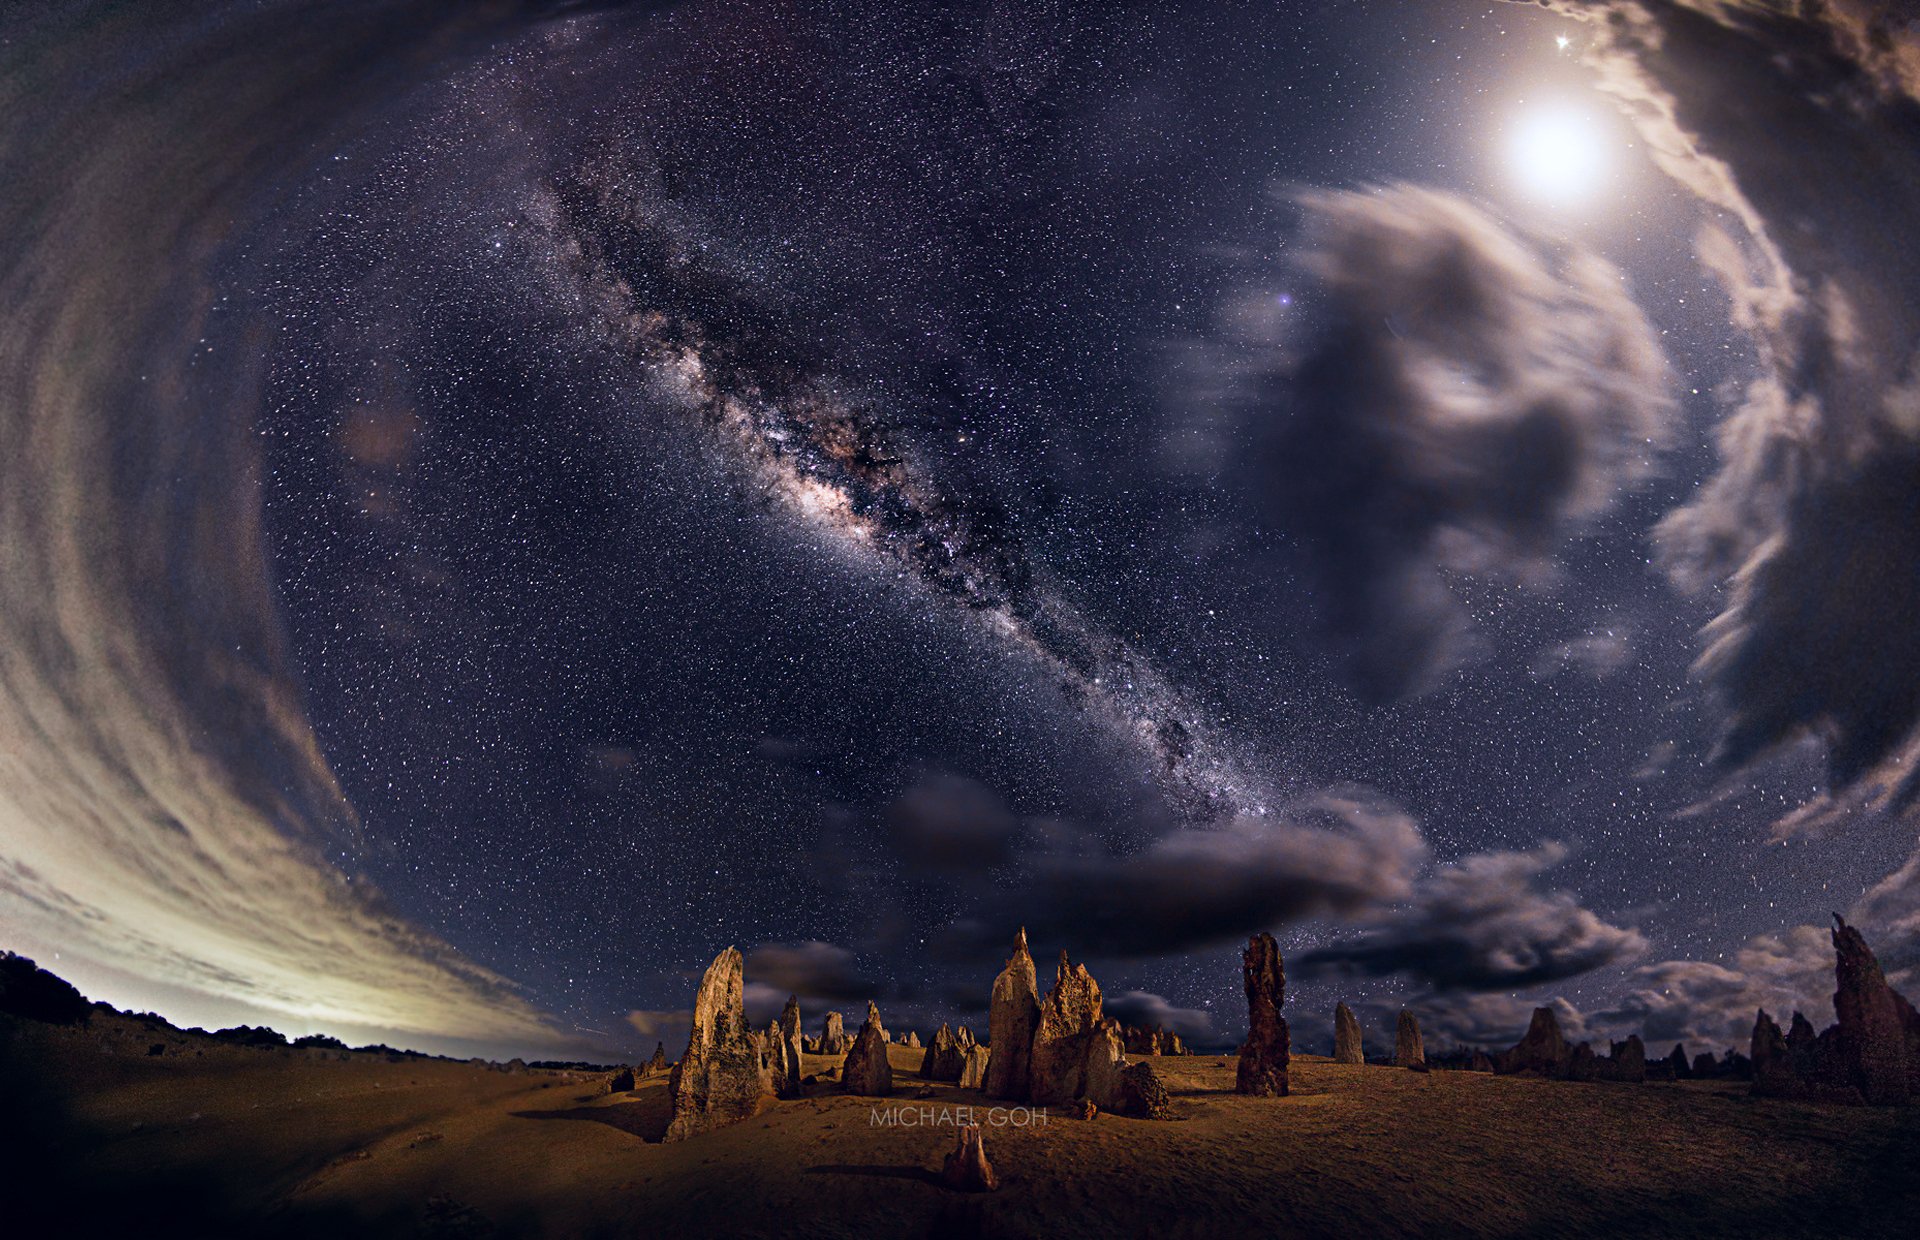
pixel 223 1140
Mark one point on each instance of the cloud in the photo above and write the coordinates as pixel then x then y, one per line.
pixel 1148 1010
pixel 1337 853
pixel 947 823
pixel 1491 1022
pixel 1480 924
pixel 168 825
pixel 1891 911
pixel 1470 400
pixel 659 1025
pixel 1706 1003
pixel 811 969
pixel 1800 126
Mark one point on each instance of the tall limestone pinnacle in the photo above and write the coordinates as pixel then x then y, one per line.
pixel 1262 1069
pixel 1012 1017
pixel 1347 1044
pixel 718 1081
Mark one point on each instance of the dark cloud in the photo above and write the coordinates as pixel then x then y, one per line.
pixel 1481 924
pixel 1148 1010
pixel 1891 913
pixel 1338 853
pixel 1799 124
pixel 945 822
pixel 809 969
pixel 1711 1004
pixel 168 822
pixel 1492 1022
pixel 1470 399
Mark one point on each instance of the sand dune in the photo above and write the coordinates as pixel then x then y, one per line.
pixel 211 1139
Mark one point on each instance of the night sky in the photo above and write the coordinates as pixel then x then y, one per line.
pixel 585 486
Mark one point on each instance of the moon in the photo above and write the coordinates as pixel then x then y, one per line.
pixel 1559 154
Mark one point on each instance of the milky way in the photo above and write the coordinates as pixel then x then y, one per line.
pixel 500 501
pixel 831 456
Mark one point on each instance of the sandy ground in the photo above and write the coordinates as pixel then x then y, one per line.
pixel 232 1141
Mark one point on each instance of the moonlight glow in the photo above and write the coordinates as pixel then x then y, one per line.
pixel 1558 154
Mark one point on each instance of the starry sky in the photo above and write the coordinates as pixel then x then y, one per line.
pixel 510 500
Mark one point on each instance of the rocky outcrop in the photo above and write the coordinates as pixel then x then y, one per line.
pixel 913 1039
pixel 1803 1048
pixel 866 1071
pixel 1063 1041
pixel 833 1035
pixel 1871 1054
pixel 658 1063
pixel 1409 1049
pixel 1346 1036
pixel 967 1168
pixel 1106 1065
pixel 1013 1016
pixel 964 1036
pixel 1542 1052
pixel 973 1069
pixel 1262 1069
pixel 1626 1062
pixel 1141 1093
pixel 786 1050
pixel 1581 1063
pixel 1773 1074
pixel 1155 1041
pixel 944 1058
pixel 1678 1063
pixel 1879 1038
pixel 718 1081
pixel 620 1081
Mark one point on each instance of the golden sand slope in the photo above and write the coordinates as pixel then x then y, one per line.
pixel 272 1140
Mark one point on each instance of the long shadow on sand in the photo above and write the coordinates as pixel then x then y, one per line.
pixel 645 1117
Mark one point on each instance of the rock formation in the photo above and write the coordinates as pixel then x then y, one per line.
pixel 913 1039
pixel 1062 1041
pixel 620 1082
pixel 944 1058
pixel 1678 1063
pixel 1155 1041
pixel 1263 1056
pixel 833 1035
pixel 718 1081
pixel 1581 1063
pixel 1480 1062
pixel 964 1036
pixel 1871 1054
pixel 786 1044
pixel 866 1071
pixel 1142 1094
pixel 967 1168
pixel 1803 1047
pixel 1627 1061
pixel 1879 1039
pixel 1106 1065
pixel 1409 1049
pixel 1773 1074
pixel 973 1070
pixel 1012 1018
pixel 1542 1052
pixel 659 1061
pixel 1346 1036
